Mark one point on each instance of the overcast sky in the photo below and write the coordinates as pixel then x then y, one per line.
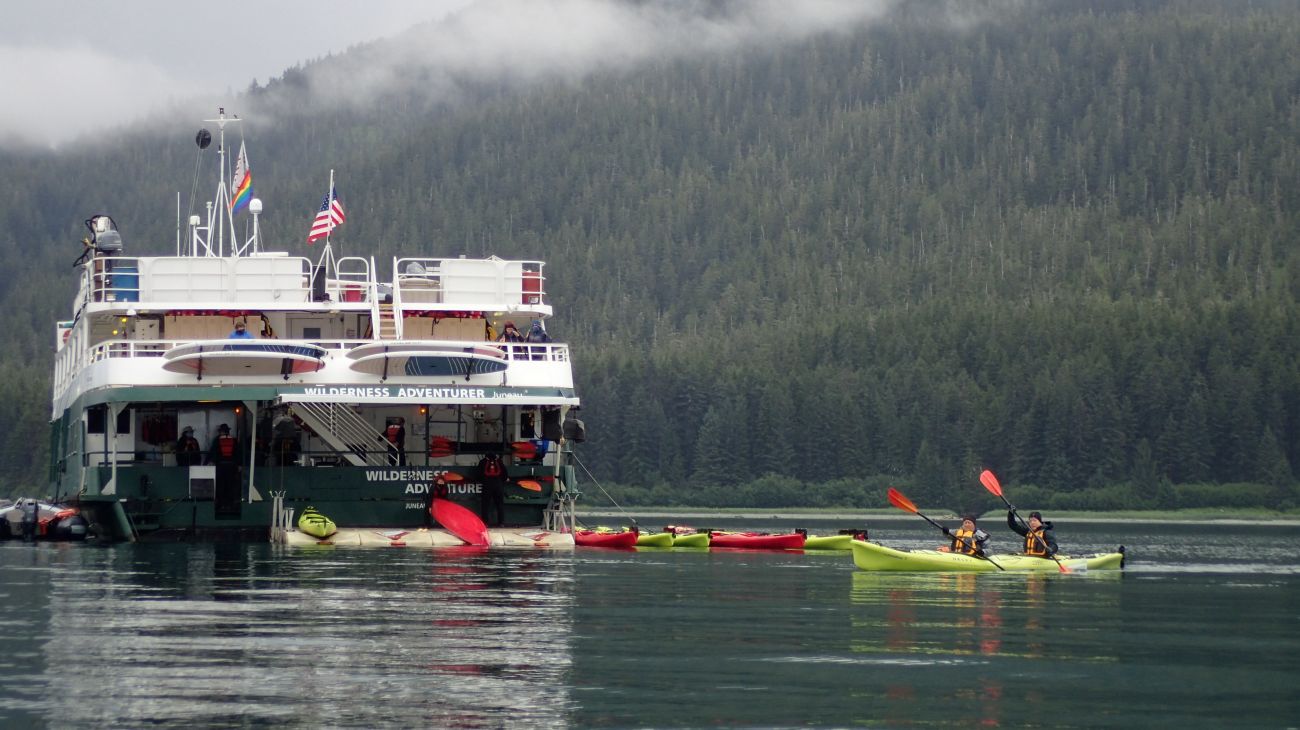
pixel 70 67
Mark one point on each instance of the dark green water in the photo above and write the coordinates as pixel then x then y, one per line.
pixel 1202 630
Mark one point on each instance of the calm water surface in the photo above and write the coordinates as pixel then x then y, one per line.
pixel 1202 630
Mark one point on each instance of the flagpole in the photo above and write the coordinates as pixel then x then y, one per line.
pixel 327 253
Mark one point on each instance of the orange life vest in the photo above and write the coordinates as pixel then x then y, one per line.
pixel 392 433
pixel 492 468
pixel 963 541
pixel 1035 543
pixel 226 446
pixel 440 446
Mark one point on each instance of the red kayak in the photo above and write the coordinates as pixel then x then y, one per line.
pixel 757 541
pixel 460 522
pixel 596 538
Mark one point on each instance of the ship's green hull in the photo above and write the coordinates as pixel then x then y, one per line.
pixel 161 503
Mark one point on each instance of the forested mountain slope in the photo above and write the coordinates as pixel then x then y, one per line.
pixel 1058 240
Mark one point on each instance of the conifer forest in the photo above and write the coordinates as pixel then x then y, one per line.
pixel 1057 239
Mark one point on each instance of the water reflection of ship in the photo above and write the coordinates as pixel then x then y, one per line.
pixel 245 628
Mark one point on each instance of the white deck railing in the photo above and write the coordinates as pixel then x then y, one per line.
pixel 454 283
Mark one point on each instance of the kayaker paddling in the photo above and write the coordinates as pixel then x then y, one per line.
pixel 1039 540
pixel 968 539
pixel 900 501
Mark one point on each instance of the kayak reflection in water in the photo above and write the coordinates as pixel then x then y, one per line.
pixel 1039 539
pixel 968 538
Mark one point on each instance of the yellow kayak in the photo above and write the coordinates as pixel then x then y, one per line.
pixel 876 557
pixel 316 524
pixel 827 542
pixel 654 539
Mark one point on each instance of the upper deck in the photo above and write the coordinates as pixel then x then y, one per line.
pixel 164 321
pixel 271 281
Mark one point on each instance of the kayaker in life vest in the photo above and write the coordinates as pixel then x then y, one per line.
pixel 967 539
pixel 1039 539
pixel 225 448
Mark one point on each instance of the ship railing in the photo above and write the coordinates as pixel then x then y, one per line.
pixel 353 281
pixel 114 349
pixel 257 278
pixel 467 282
pixel 113 279
pixel 543 352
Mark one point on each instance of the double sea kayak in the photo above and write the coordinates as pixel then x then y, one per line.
pixel 654 539
pixel 756 540
pixel 316 524
pixel 604 538
pixel 876 557
pixel 691 539
pixel 827 542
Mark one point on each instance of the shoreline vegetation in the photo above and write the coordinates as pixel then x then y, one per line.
pixel 853 516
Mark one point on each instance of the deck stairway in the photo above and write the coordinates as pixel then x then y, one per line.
pixel 388 329
pixel 346 432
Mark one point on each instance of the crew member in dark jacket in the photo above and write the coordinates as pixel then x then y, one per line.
pixel 493 507
pixel 188 451
pixel 967 539
pixel 1039 539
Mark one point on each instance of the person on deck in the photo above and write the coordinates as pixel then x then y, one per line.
pixel 225 448
pixel 1039 540
pixel 188 450
pixel 395 435
pixel 492 509
pixel 967 539
pixel 536 333
pixel 241 332
pixel 286 439
pixel 510 334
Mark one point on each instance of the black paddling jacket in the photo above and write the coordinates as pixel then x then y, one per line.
pixel 1034 541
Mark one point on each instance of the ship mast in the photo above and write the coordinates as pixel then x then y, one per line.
pixel 209 239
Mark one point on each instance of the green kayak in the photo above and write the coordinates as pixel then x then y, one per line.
pixel 827 542
pixel 874 557
pixel 693 539
pixel 654 539
pixel 316 524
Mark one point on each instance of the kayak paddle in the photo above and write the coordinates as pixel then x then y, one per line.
pixel 897 499
pixel 991 483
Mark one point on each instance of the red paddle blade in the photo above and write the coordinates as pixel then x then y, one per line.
pixel 452 476
pixel 897 499
pixel 530 485
pixel 990 482
pixel 1061 565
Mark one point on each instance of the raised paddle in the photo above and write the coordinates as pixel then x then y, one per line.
pixel 897 499
pixel 991 483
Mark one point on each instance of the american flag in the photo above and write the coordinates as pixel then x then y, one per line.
pixel 328 218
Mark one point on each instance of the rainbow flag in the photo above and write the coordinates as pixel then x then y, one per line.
pixel 242 183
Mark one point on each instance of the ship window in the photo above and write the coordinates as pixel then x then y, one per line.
pixel 96 419
pixel 124 421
